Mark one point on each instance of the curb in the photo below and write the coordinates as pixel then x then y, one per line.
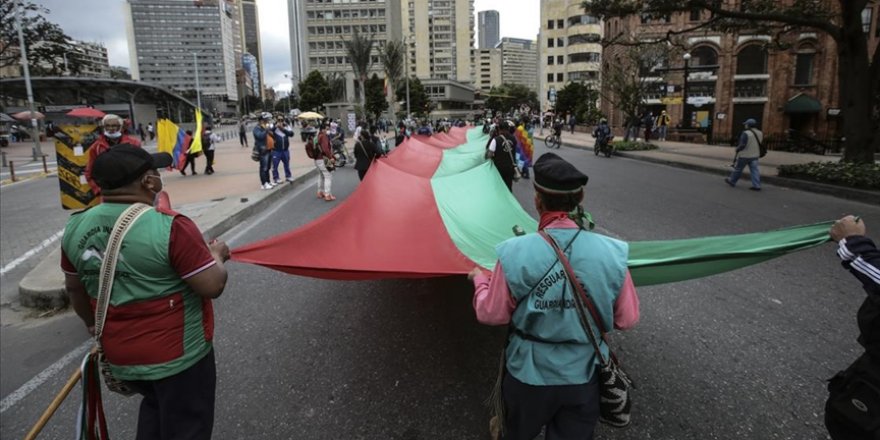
pixel 43 287
pixel 859 195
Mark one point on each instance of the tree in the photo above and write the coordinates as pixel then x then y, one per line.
pixel 313 91
pixel 508 97
pixel 419 103
pixel 858 74
pixel 119 72
pixel 251 104
pixel 360 55
pixel 393 63
pixel 579 99
pixel 624 85
pixel 46 43
pixel 375 96
pixel 336 81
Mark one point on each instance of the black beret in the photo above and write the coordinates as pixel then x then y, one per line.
pixel 553 175
pixel 123 163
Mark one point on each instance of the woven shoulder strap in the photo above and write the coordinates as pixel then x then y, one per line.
pixel 108 264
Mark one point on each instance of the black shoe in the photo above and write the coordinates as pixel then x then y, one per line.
pixel 183 173
pixel 754 188
pixel 194 173
pixel 727 181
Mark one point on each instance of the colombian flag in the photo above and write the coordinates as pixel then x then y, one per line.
pixel 174 141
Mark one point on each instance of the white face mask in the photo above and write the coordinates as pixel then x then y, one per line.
pixel 114 135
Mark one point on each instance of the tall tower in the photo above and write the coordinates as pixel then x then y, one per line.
pixel 440 34
pixel 489 23
pixel 298 44
pixel 250 19
pixel 165 47
pixel 569 48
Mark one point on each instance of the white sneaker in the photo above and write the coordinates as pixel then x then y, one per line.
pixel 289 179
pixel 267 185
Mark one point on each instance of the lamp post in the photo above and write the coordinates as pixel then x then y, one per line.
pixel 198 92
pixel 686 123
pixel 35 135
pixel 406 69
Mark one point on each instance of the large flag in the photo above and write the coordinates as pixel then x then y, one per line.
pixel 174 141
pixel 448 211
pixel 196 146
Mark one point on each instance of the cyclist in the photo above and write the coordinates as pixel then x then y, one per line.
pixel 557 129
pixel 602 134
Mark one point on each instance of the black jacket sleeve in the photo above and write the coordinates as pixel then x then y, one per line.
pixel 861 257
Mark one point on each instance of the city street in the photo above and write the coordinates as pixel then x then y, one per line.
pixel 741 355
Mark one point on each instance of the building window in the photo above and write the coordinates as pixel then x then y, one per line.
pixel 866 20
pixel 560 77
pixel 803 72
pixel 586 57
pixel 550 24
pixel 752 60
pixel 550 42
pixel 560 42
pixel 704 56
pixel 696 14
pixel 550 60
pixel 549 77
pixel 560 59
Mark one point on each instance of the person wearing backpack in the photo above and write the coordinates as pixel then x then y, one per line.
pixel 502 149
pixel 748 151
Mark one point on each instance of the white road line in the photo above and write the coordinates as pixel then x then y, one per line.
pixel 32 252
pixel 19 394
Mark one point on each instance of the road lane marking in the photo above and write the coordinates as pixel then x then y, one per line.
pixel 19 394
pixel 47 242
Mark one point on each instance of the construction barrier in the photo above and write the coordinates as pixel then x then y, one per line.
pixel 71 152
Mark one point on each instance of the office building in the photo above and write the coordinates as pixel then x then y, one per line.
pixel 569 48
pixel 440 35
pixel 251 68
pixel 92 58
pixel 487 68
pixel 250 25
pixel 170 41
pixel 511 61
pixel 318 29
pixel 489 25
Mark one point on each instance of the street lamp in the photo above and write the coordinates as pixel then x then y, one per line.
pixel 198 92
pixel 684 91
pixel 406 69
pixel 35 135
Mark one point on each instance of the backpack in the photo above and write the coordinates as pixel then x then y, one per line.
pixel 762 149
pixel 312 149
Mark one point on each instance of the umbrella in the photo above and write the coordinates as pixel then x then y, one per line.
pixel 26 116
pixel 310 115
pixel 86 112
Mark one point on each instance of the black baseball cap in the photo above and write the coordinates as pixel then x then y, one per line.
pixel 554 175
pixel 123 163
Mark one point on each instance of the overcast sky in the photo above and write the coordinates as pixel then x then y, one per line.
pixel 102 21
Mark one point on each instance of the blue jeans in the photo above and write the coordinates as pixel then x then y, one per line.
pixel 661 132
pixel 265 161
pixel 282 156
pixel 753 170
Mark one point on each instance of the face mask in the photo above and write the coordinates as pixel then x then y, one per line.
pixel 114 135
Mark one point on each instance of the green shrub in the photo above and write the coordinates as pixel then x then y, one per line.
pixel 633 146
pixel 863 176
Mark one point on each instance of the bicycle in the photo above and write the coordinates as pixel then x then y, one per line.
pixel 553 141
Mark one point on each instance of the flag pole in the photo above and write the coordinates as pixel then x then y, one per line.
pixel 37 151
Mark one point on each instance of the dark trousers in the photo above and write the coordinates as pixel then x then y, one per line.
pixel 209 159
pixel 191 163
pixel 568 412
pixel 282 157
pixel 242 139
pixel 180 407
pixel 265 164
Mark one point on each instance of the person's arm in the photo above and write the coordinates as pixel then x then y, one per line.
pixel 493 302
pixel 492 145
pixel 76 291
pixel 743 141
pixel 626 307
pixel 857 252
pixel 200 265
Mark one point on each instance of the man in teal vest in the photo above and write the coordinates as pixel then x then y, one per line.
pixel 550 379
pixel 159 324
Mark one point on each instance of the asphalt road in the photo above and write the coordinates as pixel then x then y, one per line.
pixel 741 355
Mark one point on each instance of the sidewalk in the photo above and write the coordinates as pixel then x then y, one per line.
pixel 220 201
pixel 215 202
pixel 717 159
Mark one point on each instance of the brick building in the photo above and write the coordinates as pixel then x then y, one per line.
pixel 793 88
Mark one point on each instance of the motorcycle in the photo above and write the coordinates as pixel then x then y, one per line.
pixel 604 146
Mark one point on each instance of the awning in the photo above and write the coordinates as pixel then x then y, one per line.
pixel 803 104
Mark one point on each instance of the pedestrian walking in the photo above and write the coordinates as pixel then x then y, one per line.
pixel 366 149
pixel 747 153
pixel 854 394
pixel 662 125
pixel 648 123
pixel 158 333
pixel 325 163
pixel 572 121
pixel 501 149
pixel 550 379
pixel 151 131
pixel 242 133
pixel 111 135
pixel 190 156
pixel 209 143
